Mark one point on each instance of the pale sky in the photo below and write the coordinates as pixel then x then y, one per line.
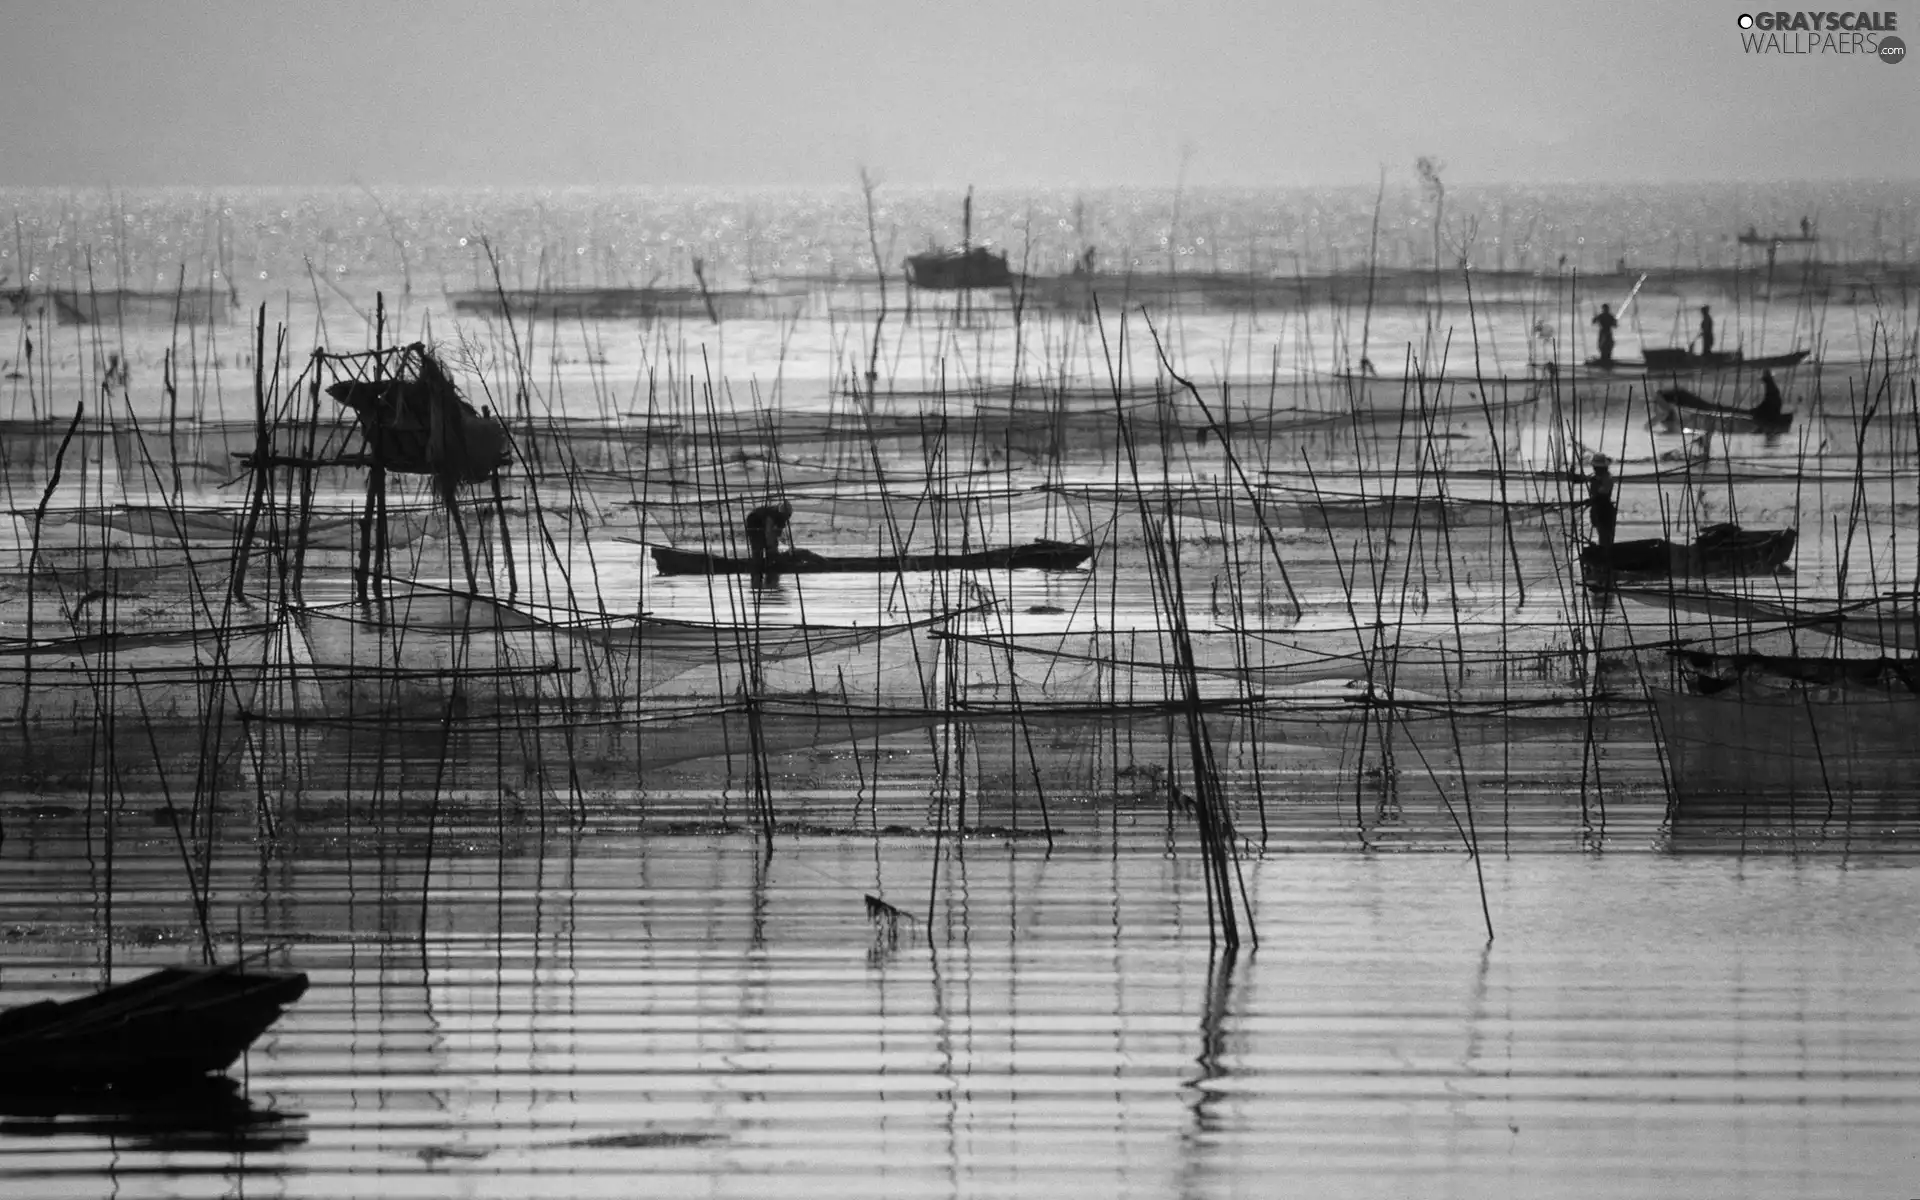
pixel 995 92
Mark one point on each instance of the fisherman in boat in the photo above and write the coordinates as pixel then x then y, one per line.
pixel 1772 406
pixel 1706 332
pixel 766 525
pixel 1601 511
pixel 1606 321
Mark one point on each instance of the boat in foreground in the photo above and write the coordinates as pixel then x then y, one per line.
pixel 175 1024
pixel 1033 556
pixel 1719 550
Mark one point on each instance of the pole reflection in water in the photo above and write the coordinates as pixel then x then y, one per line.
pixel 612 1014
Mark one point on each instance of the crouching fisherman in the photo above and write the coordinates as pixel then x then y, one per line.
pixel 766 526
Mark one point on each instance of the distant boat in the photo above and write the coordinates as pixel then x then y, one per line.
pixel 1038 556
pixel 111 306
pixel 173 1025
pixel 626 303
pixel 952 270
pixel 1683 408
pixel 1753 238
pixel 1719 550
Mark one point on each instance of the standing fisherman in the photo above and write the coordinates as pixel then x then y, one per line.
pixel 1706 332
pixel 1601 510
pixel 1772 406
pixel 1606 321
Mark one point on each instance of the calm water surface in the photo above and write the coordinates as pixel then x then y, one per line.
pixel 593 1012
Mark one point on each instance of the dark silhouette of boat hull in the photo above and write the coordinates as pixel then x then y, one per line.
pixel 952 270
pixel 172 1025
pixel 1035 556
pixel 1720 550
pixel 1678 358
pixel 1688 411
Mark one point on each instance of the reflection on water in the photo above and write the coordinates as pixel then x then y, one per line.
pixel 605 1014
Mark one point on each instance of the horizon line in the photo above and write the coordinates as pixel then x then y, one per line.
pixel 852 183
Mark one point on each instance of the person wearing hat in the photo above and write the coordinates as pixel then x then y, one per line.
pixel 1600 507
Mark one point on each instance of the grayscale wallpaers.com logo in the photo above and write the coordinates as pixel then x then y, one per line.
pixel 1869 34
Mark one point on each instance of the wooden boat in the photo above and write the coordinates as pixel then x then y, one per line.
pixel 175 1024
pixel 951 270
pixel 1685 410
pixel 1719 550
pixel 1679 358
pixel 1033 556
